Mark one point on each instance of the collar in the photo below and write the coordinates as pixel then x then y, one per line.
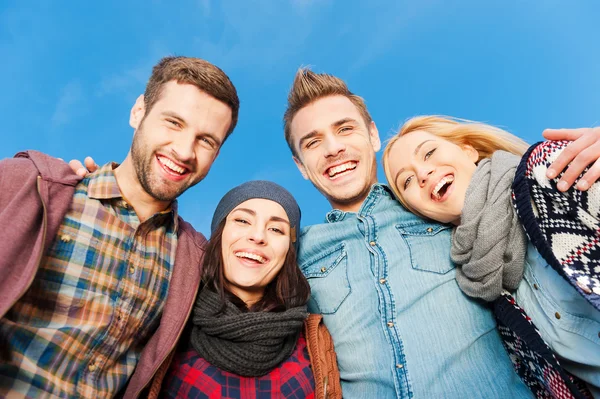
pixel 102 185
pixel 377 191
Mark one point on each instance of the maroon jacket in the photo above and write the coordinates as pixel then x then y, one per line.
pixel 35 194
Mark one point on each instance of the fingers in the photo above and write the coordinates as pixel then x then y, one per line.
pixel 78 167
pixel 590 177
pixel 572 153
pixel 90 164
pixel 563 134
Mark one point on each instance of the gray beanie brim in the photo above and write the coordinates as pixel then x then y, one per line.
pixel 259 189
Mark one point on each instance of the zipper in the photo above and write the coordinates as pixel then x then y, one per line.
pixel 137 393
pixel 39 259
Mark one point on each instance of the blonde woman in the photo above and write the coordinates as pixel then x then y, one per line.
pixel 546 252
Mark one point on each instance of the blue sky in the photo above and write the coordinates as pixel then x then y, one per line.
pixel 71 71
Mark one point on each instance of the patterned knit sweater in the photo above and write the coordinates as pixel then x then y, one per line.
pixel 564 228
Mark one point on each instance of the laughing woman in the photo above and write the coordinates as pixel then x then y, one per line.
pixel 250 336
pixel 514 230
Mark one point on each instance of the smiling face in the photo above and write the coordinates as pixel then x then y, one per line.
pixel 177 140
pixel 336 150
pixel 431 174
pixel 254 245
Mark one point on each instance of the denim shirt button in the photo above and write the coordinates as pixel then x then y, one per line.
pixel 372 243
pixel 399 366
pixel 323 269
pixel 557 315
pixel 429 229
pixel 382 281
pixel 390 324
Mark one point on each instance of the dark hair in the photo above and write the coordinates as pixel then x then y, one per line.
pixel 194 71
pixel 288 289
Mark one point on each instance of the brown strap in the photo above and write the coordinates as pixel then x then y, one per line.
pixel 323 359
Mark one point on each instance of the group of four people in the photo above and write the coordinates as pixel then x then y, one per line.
pixel 105 291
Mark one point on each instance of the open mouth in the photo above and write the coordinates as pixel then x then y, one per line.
pixel 340 170
pixel 442 187
pixel 251 257
pixel 171 167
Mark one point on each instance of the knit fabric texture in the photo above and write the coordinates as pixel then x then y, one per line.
pixel 489 244
pixel 564 227
pixel 249 344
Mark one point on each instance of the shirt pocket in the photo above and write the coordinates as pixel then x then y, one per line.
pixel 327 274
pixel 428 246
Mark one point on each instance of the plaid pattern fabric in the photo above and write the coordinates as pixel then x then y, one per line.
pixel 98 295
pixel 190 376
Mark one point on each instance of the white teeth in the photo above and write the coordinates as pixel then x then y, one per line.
pixel 447 179
pixel 341 168
pixel 171 165
pixel 250 255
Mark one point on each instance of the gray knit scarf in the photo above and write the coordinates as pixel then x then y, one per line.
pixel 248 344
pixel 490 243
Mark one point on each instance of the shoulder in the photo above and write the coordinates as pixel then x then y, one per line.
pixel 190 233
pixel 27 164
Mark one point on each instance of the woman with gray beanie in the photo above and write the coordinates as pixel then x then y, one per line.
pixel 250 333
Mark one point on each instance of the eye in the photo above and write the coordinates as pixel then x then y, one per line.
pixel 407 181
pixel 174 123
pixel 277 230
pixel 429 153
pixel 311 143
pixel 241 221
pixel 345 129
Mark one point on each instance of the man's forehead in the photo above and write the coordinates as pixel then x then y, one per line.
pixel 323 113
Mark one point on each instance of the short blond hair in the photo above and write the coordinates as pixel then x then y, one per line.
pixel 309 87
pixel 486 139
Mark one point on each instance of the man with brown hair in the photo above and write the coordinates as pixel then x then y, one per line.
pixel 98 276
pixel 381 276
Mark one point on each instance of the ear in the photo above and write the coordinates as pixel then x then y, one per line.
pixel 374 136
pixel 300 167
pixel 471 152
pixel 138 111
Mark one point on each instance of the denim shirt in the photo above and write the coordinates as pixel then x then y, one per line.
pixel 384 282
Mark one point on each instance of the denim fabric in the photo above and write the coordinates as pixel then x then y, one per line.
pixel 568 323
pixel 384 282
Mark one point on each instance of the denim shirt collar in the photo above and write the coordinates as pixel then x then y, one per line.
pixel 377 191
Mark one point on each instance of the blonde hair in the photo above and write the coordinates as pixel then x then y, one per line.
pixel 486 139
pixel 309 87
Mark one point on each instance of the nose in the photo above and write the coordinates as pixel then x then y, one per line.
pixel 257 235
pixel 183 146
pixel 423 174
pixel 333 146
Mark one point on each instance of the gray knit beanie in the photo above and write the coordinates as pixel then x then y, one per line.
pixel 259 189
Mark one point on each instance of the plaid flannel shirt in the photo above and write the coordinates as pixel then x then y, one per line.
pixel 98 295
pixel 190 376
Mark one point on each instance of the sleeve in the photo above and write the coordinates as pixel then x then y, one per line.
pixel 564 227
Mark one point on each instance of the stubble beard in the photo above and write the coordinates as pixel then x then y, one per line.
pixel 143 156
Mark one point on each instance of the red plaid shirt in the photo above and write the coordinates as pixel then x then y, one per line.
pixel 190 376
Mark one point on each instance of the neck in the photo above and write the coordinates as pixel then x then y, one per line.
pixel 143 203
pixel 248 297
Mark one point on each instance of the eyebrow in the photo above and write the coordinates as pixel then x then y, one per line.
pixel 417 149
pixel 334 125
pixel 174 115
pixel 253 213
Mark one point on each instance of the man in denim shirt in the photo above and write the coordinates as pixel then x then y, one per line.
pixel 381 276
